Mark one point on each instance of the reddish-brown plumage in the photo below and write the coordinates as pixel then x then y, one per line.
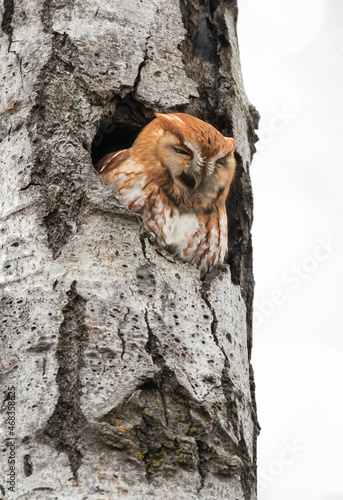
pixel 177 175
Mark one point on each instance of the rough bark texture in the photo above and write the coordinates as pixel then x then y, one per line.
pixel 132 377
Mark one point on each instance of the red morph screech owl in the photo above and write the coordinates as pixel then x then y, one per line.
pixel 177 175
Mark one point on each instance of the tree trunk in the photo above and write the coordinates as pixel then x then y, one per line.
pixel 126 374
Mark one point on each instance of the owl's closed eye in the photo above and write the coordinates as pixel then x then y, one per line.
pixel 177 175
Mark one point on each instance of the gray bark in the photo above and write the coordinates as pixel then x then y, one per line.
pixel 131 376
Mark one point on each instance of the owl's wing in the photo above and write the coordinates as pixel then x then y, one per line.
pixel 127 178
pixel 109 163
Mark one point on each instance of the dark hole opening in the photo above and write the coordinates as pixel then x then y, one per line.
pixel 124 119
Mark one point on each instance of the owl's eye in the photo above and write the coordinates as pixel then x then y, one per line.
pixel 220 163
pixel 180 151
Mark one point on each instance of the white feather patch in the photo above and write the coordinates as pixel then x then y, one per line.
pixel 181 227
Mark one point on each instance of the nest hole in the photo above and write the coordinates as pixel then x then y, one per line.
pixel 122 121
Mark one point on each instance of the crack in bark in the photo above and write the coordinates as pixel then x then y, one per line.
pixel 146 235
pixel 63 193
pixel 6 24
pixel 214 324
pixel 121 335
pixel 66 425
pixel 201 470
pixel 141 66
pixel 142 238
pixel 31 183
pixel 20 68
pixel 152 346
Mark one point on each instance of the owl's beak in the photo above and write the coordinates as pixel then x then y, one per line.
pixel 192 181
pixel 198 180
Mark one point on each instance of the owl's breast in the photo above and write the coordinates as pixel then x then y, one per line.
pixel 199 239
pixel 180 227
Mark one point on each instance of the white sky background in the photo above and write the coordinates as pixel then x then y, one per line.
pixel 292 60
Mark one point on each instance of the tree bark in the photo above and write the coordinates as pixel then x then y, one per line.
pixel 126 374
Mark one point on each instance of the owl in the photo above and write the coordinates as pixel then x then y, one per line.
pixel 177 175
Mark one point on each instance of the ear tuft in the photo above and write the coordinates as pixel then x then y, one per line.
pixel 231 141
pixel 164 117
pixel 166 120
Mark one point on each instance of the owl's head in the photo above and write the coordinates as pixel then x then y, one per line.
pixel 198 159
